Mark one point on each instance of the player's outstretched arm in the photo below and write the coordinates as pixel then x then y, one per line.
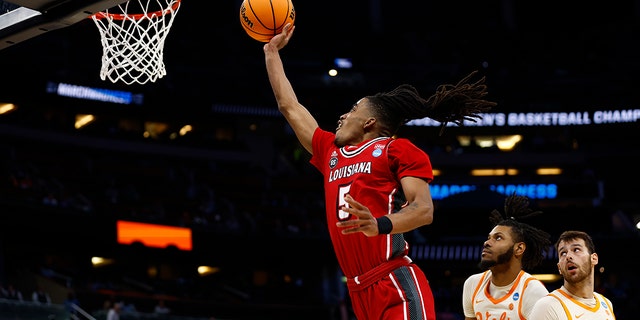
pixel 300 119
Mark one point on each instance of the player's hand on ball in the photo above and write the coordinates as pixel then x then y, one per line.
pixel 282 39
pixel 364 221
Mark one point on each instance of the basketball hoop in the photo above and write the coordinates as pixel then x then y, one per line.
pixel 133 43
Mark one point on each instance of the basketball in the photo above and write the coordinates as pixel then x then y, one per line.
pixel 263 19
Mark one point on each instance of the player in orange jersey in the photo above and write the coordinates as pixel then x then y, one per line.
pixel 576 299
pixel 505 290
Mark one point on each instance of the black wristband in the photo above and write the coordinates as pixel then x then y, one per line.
pixel 384 225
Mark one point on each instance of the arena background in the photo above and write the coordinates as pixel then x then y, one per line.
pixel 564 76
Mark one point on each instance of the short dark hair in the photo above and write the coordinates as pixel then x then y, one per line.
pixel 573 234
pixel 537 241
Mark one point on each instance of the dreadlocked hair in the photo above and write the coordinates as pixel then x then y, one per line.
pixel 451 103
pixel 537 241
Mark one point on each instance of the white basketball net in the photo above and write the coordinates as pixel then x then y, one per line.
pixel 133 36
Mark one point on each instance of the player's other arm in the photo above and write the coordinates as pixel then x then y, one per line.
pixel 419 209
pixel 469 287
pixel 547 308
pixel 418 212
pixel 298 117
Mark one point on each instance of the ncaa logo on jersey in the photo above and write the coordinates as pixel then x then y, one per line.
pixel 515 296
pixel 378 150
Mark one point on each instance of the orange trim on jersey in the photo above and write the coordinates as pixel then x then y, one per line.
pixel 599 298
pixel 592 309
pixel 524 288
pixel 564 306
pixel 607 302
pixel 475 292
pixel 508 294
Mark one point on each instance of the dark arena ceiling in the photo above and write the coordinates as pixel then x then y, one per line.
pixel 536 55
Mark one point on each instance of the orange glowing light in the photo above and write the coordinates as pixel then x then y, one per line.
pixel 153 235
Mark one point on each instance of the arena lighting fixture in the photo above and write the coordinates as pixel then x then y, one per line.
pixel 100 261
pixel 83 120
pixel 6 107
pixel 507 143
pixel 464 141
pixel 494 172
pixel 343 63
pixel 548 171
pixel 547 277
pixel 512 172
pixel 636 220
pixel 207 270
pixel 504 143
pixel 185 129
pixel 154 129
pixel 485 142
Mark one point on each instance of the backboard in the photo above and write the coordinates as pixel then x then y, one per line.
pixel 21 20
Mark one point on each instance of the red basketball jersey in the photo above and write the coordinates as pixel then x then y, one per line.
pixel 370 173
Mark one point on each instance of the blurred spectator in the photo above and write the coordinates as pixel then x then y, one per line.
pixel 3 291
pixel 107 304
pixel 114 311
pixel 13 293
pixel 50 199
pixel 41 296
pixel 161 308
pixel 128 309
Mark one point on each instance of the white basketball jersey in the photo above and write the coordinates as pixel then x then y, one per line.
pixel 576 309
pixel 509 304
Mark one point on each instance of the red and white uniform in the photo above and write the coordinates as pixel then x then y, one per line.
pixel 371 173
pixel 560 305
pixel 483 300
